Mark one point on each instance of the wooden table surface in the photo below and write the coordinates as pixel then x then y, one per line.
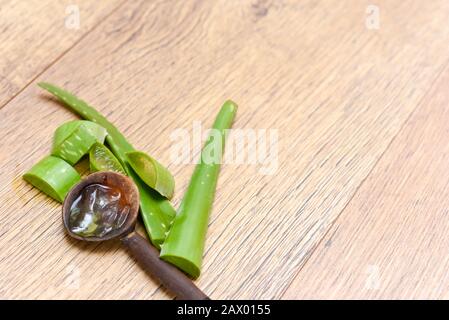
pixel 358 206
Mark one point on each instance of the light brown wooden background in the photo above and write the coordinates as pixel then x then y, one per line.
pixel 359 205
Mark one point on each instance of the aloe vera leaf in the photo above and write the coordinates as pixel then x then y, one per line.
pixel 184 244
pixel 53 176
pixel 156 212
pixel 154 174
pixel 157 204
pixel 73 139
pixel 65 130
pixel 102 159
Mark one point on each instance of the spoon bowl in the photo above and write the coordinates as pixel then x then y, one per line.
pixel 112 179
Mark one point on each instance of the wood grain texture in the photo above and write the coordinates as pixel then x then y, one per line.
pixel 391 242
pixel 35 33
pixel 337 93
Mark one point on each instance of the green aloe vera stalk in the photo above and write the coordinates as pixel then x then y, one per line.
pixel 102 159
pixel 151 208
pixel 53 176
pixel 157 212
pixel 154 174
pixel 184 244
pixel 73 139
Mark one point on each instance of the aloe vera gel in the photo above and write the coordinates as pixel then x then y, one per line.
pixel 98 210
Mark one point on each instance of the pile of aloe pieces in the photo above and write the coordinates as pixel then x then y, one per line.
pixel 180 235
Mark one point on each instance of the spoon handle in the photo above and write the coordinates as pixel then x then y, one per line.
pixel 169 276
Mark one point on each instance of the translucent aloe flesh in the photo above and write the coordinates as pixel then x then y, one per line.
pixel 53 176
pixel 73 139
pixel 184 244
pixel 102 159
pixel 156 211
pixel 154 174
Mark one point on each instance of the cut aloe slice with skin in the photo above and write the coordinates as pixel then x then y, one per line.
pixel 154 174
pixel 102 159
pixel 53 176
pixel 73 139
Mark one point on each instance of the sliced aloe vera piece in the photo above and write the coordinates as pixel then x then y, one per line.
pixel 73 139
pixel 154 174
pixel 102 159
pixel 53 176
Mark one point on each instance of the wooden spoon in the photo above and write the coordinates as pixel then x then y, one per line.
pixel 148 256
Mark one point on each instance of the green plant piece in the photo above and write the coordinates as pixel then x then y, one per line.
pixel 102 159
pixel 73 139
pixel 152 209
pixel 156 212
pixel 53 176
pixel 184 244
pixel 154 174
